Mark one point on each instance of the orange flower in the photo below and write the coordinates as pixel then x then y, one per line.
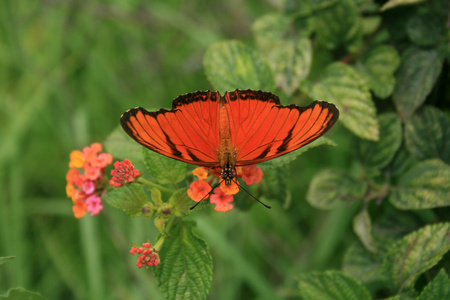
pixel 79 209
pixel 201 173
pixel 76 159
pixel 199 190
pixel 231 189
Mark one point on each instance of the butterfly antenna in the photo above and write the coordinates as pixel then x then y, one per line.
pixel 204 197
pixel 240 187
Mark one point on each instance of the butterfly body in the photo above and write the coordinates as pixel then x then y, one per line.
pixel 240 128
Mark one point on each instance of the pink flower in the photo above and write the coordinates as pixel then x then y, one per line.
pixel 221 200
pixel 94 204
pixel 123 172
pixel 85 179
pixel 252 174
pixel 149 255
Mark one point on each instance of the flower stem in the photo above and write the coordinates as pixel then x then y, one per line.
pixel 155 185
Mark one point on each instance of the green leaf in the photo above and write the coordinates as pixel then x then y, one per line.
pixel 129 198
pixel 427 134
pixel 362 264
pixel 4 259
pixel 231 65
pixel 164 169
pixel 439 288
pixel 269 30
pixel 343 86
pixel 362 225
pixel 332 285
pixel 425 29
pixel 22 294
pixel 395 3
pixel 377 155
pixel 416 253
pixel 290 61
pixel 289 57
pixel 402 162
pixel 426 185
pixel 121 146
pixel 181 203
pixel 378 67
pixel 339 25
pixel 330 187
pixel 185 271
pixel 415 79
pixel 290 157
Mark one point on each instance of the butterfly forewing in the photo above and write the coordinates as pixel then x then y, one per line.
pixel 275 130
pixel 188 132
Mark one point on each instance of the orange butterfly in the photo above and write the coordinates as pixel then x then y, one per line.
pixel 241 128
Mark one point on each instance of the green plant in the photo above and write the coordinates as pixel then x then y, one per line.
pixel 386 69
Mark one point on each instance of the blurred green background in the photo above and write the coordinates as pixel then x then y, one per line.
pixel 68 70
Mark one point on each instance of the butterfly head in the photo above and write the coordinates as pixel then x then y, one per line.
pixel 228 173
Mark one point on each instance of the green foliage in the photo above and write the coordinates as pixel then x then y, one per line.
pixel 130 199
pixel 22 294
pixel 186 265
pixel 416 253
pixel 439 288
pixel 342 85
pixel 426 185
pixel 375 221
pixel 332 285
pixel 233 65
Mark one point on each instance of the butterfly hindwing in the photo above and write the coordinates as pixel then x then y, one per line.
pixel 262 129
pixel 188 132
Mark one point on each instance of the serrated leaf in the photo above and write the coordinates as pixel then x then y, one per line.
pixel 164 169
pixel 362 225
pixel 121 146
pixel 378 67
pixel 332 285
pixel 231 65
pixel 4 259
pixel 129 198
pixel 416 253
pixel 22 294
pixel 415 79
pixel 427 134
pixel 181 203
pixel 338 25
pixel 426 185
pixel 425 29
pixel 376 155
pixel 343 86
pixel 439 288
pixel 185 271
pixel 330 187
pixel 362 264
pixel 288 158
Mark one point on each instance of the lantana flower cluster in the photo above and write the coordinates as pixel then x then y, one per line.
pixel 123 173
pixel 148 255
pixel 222 195
pixel 85 179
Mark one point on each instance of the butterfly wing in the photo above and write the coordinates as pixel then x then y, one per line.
pixel 189 132
pixel 262 129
